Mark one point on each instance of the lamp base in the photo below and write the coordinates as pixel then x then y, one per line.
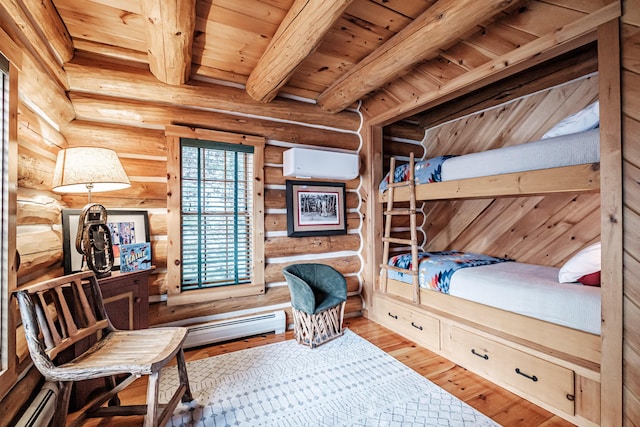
pixel 102 275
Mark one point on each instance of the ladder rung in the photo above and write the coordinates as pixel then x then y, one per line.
pixel 398 269
pixel 399 184
pixel 399 241
pixel 400 212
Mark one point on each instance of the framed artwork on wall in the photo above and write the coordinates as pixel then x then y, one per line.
pixel 126 227
pixel 315 208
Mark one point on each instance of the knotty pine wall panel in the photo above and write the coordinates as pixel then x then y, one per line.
pixel 631 196
pixel 540 229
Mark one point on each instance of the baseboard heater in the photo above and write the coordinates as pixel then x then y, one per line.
pixel 40 411
pixel 229 329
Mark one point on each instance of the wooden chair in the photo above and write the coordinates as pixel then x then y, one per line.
pixel 318 296
pixel 61 312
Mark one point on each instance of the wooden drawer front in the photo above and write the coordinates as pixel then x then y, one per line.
pixel 419 327
pixel 533 376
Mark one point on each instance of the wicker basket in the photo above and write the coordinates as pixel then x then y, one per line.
pixel 316 329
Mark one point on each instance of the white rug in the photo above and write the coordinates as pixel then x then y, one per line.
pixel 345 382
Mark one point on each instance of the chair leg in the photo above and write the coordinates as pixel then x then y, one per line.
pixel 111 384
pixel 151 418
pixel 184 378
pixel 62 404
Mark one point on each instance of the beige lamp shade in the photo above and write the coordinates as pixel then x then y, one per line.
pixel 88 169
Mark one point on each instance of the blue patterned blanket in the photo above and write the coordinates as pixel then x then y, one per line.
pixel 426 171
pixel 436 268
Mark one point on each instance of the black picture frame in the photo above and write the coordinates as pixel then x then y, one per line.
pixel 316 208
pixel 70 219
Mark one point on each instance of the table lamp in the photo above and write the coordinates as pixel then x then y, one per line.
pixel 91 169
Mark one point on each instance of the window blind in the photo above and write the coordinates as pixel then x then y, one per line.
pixel 216 214
pixel 4 202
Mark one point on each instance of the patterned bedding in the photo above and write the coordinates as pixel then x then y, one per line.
pixel 426 171
pixel 436 268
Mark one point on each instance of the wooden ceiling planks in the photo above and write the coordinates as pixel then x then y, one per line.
pixel 527 18
pixel 499 39
pixel 377 15
pixel 408 8
pixel 103 24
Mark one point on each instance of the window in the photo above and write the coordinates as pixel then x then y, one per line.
pixel 4 83
pixel 215 215
pixel 8 125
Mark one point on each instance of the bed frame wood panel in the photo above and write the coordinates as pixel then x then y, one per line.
pixel 578 179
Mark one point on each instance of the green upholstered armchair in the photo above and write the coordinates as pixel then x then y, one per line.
pixel 318 297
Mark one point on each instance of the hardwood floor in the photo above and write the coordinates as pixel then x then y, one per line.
pixel 501 405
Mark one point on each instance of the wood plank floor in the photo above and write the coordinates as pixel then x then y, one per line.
pixel 501 405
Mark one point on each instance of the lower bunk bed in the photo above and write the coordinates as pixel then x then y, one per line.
pixel 513 323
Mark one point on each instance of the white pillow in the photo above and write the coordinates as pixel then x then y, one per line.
pixel 585 262
pixel 586 119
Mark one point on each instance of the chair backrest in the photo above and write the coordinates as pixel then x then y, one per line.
pixel 59 312
pixel 307 281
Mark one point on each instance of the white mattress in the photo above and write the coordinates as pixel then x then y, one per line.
pixel 574 149
pixel 530 290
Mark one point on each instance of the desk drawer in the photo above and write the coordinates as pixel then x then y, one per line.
pixel 532 376
pixel 417 326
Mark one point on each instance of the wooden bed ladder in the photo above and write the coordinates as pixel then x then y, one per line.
pixel 389 213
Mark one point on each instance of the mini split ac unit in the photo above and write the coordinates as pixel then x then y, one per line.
pixel 306 163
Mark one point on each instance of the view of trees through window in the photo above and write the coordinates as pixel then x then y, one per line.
pixel 216 214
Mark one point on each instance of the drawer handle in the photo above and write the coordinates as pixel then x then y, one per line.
pixel 484 356
pixel 416 326
pixel 395 316
pixel 531 377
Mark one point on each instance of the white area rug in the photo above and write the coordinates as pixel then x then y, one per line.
pixel 345 382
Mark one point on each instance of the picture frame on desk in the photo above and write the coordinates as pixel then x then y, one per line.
pixel 126 227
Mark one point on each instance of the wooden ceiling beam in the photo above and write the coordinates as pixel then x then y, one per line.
pixel 170 25
pixel 94 74
pixel 287 49
pixel 53 29
pixel 437 27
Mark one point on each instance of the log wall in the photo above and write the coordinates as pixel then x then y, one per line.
pixel 134 130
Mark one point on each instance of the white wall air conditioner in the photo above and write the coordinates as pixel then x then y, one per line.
pixel 307 163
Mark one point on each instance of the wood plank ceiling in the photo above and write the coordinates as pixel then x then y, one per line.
pixel 331 52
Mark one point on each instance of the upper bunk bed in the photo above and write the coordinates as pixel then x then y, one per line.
pixel 565 159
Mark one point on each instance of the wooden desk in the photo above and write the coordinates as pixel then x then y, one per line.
pixel 126 298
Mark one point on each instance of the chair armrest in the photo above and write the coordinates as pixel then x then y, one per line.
pixel 302 297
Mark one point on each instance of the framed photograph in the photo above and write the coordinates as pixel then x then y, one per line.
pixel 315 208
pixel 126 227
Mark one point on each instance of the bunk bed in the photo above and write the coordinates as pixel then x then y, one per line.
pixel 545 355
